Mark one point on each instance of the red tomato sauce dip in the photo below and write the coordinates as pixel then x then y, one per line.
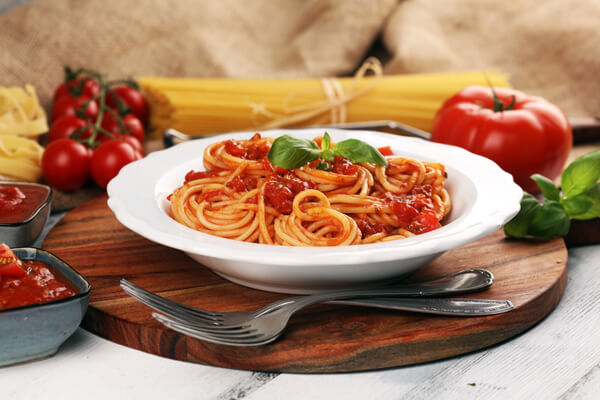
pixel 29 282
pixel 19 202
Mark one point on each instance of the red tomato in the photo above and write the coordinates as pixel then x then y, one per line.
pixel 90 88
pixel 64 126
pixel 531 136
pixel 12 269
pixel 109 158
pixel 67 105
pixel 132 141
pixel 131 98
pixel 66 164
pixel 131 124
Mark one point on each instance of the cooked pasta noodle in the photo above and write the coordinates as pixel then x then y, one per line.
pixel 242 196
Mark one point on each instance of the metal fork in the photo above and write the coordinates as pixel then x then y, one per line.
pixel 266 324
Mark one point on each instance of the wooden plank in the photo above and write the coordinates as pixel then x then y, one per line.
pixel 324 338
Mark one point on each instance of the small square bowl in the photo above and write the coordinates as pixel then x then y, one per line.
pixel 37 330
pixel 26 231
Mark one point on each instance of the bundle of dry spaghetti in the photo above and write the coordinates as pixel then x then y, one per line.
pixel 199 106
pixel 22 120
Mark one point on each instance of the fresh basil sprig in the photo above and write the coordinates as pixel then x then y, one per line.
pixel 289 152
pixel 578 198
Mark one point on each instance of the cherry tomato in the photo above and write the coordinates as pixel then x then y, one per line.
pixel 131 98
pixel 132 141
pixel 109 158
pixel 131 123
pixel 64 126
pixel 523 134
pixel 90 88
pixel 66 164
pixel 67 105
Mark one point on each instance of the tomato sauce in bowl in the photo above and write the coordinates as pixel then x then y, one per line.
pixel 24 210
pixel 18 203
pixel 41 283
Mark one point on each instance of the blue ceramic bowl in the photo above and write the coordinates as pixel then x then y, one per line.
pixel 37 330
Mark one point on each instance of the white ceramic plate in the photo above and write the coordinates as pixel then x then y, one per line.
pixel 484 198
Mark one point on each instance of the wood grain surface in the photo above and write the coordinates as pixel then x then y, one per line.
pixel 322 338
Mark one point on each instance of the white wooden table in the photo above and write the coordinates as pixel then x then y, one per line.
pixel 557 359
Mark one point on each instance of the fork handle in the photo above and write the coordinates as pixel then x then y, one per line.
pixel 440 306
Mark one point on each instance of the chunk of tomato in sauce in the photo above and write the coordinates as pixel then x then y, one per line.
pixel 405 211
pixel 236 184
pixel 424 222
pixel 415 211
pixel 386 151
pixel 257 151
pixel 279 196
pixel 235 148
pixel 368 228
pixel 343 166
pixel 253 149
pixel 281 190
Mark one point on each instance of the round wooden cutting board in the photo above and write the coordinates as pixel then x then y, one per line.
pixel 321 338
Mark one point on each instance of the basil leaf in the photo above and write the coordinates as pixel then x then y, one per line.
pixel 326 142
pixel 328 155
pixel 581 174
pixel 550 220
pixel 577 205
pixel 519 225
pixel 549 190
pixel 592 195
pixel 358 151
pixel 289 152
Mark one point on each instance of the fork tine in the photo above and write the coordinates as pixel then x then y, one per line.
pixel 231 331
pixel 249 341
pixel 169 307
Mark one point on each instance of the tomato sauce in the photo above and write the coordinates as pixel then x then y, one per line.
pixel 19 202
pixel 281 190
pixel 414 210
pixel 193 175
pixel 368 228
pixel 254 149
pixel 40 284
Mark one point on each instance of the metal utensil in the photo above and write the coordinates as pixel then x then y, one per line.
pixel 267 323
pixel 172 137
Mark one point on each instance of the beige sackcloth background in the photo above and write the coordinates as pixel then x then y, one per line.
pixel 549 48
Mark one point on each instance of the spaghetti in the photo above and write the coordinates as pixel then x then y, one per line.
pixel 242 196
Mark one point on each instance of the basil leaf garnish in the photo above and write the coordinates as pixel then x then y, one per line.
pixel 550 220
pixel 577 205
pixel 592 195
pixel 326 142
pixel 289 152
pixel 328 155
pixel 519 225
pixel 549 190
pixel 545 220
pixel 358 151
pixel 581 174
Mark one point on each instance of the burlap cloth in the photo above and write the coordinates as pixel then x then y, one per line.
pixel 549 48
